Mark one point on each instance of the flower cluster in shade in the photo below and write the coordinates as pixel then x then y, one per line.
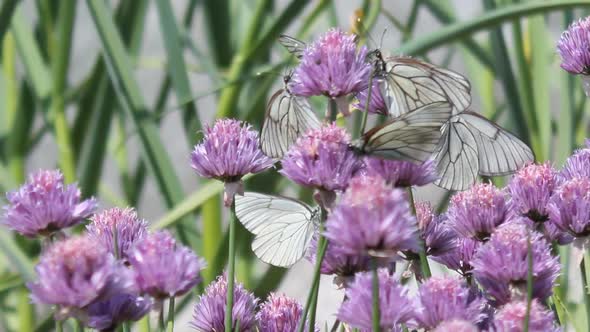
pixel 573 47
pixel 322 159
pixel 362 221
pixel 510 318
pixel 438 237
pixel 569 209
pixel 75 272
pixel 164 268
pixel 122 226
pixel 45 204
pixel 376 105
pixel 280 313
pixel 209 312
pixel 576 166
pixel 229 150
pixel 395 306
pixel 332 66
pixel 447 299
pixel 401 173
pixel 501 265
pixel 107 315
pixel 337 260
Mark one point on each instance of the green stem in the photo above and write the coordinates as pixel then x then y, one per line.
pixel 170 327
pixel 375 296
pixel 125 327
pixel 585 270
pixel 312 297
pixel 529 284
pixel 79 327
pixel 26 312
pixel 422 254
pixel 366 114
pixel 230 270
pixel 59 326
pixel 60 61
pixel 161 326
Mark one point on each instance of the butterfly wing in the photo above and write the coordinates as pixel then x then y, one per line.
pixel 412 136
pixel 287 118
pixel 499 151
pixel 410 83
pixel 293 45
pixel 456 156
pixel 282 227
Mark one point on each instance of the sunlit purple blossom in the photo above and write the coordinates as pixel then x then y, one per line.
pixel 45 204
pixel 402 173
pixel 530 190
pixel 438 237
pixel 500 266
pixel 569 209
pixel 76 272
pixel 577 165
pixel 209 311
pixel 446 299
pixel 394 305
pixel 511 316
pixel 332 66
pixel 129 228
pixel 322 159
pixel 478 211
pixel 229 150
pixel 163 268
pixel 363 220
pixel 280 313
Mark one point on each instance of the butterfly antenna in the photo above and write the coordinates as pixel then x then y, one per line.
pixel 382 37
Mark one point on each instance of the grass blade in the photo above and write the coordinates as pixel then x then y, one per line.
pixel 132 101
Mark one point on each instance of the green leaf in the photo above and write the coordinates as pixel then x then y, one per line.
pixel 192 202
pixel 130 98
pixel 489 19
pixel 28 49
pixel 10 250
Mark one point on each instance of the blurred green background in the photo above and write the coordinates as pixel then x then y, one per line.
pixel 114 93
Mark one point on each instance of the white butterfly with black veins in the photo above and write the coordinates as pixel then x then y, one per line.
pixel 408 83
pixel 287 118
pixel 412 136
pixel 471 145
pixel 293 45
pixel 283 227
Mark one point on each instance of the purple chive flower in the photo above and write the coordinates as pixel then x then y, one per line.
pixel 530 190
pixel 438 237
pixel 501 265
pixel 394 305
pixel 573 47
pixel 456 325
pixel 163 268
pixel 332 66
pixel 510 318
pixel 459 258
pixel 446 299
pixel 280 313
pixel 209 312
pixel 107 315
pixel 377 104
pixel 363 220
pixel 569 209
pixel 548 229
pixel 577 165
pixel 127 225
pixel 402 173
pixel 75 272
pixel 322 159
pixel 45 204
pixel 229 151
pixel 478 211
pixel 337 261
